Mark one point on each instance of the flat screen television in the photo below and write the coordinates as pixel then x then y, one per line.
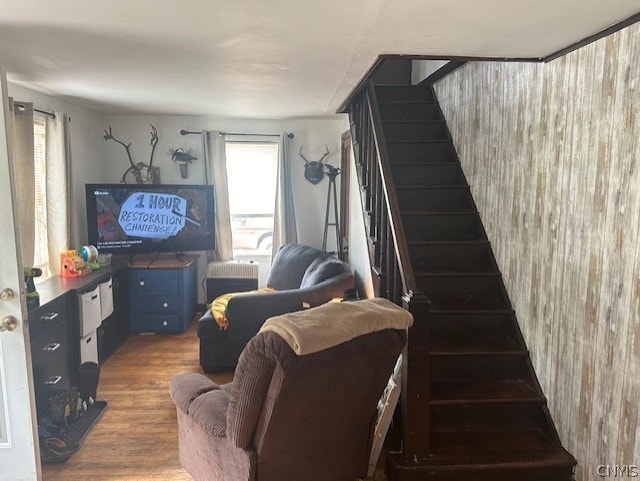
pixel 135 219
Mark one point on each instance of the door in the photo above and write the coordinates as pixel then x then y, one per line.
pixel 19 458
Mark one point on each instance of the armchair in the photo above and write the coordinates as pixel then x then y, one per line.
pixel 300 275
pixel 303 401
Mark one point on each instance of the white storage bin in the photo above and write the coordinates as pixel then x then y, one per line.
pixel 90 316
pixel 89 347
pixel 106 299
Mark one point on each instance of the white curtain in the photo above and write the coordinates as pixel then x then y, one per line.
pixel 21 124
pixel 58 196
pixel 215 165
pixel 284 228
pixel 60 210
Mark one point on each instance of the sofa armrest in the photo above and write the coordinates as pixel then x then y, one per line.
pixel 184 388
pixel 324 291
pixel 251 310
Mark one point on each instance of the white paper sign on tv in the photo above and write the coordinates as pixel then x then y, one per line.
pixel 153 215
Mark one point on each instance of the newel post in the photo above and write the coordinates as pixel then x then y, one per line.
pixel 415 380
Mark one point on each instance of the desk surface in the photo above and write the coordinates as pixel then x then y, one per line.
pixel 55 286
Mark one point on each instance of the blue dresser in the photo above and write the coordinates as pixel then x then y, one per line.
pixel 162 294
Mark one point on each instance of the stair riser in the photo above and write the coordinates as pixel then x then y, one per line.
pixel 427 175
pixel 443 228
pixel 477 368
pixel 407 112
pixel 444 326
pixel 452 258
pixel 404 94
pixel 435 200
pixel 464 292
pixel 417 132
pixel 410 473
pixel 421 152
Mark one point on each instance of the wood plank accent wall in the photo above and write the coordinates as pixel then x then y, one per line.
pixel 552 155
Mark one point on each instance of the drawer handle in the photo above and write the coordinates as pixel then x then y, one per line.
pixel 141 283
pixel 165 323
pixel 165 305
pixel 94 297
pixel 49 316
pixel 52 346
pixel 53 380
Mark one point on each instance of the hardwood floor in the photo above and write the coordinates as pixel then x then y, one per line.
pixel 136 437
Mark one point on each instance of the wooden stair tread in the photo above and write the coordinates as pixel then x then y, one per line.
pixel 460 304
pixel 433 187
pixel 528 447
pixel 442 271
pixel 485 390
pixel 422 141
pixel 449 243
pixel 411 121
pixel 411 101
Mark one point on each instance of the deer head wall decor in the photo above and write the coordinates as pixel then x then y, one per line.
pixel 314 170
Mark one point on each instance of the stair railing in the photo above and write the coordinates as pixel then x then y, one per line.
pixel 392 271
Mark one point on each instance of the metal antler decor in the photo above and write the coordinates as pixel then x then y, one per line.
pixel 314 170
pixel 139 173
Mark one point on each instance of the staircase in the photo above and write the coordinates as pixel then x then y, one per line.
pixel 472 408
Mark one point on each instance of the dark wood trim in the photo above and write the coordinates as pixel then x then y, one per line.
pixel 596 36
pixel 442 72
pixel 345 197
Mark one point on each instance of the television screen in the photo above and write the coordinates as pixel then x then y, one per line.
pixel 133 219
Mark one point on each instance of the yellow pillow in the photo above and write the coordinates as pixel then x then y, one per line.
pixel 219 306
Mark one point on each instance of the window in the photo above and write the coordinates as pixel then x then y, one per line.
pixel 252 173
pixel 40 253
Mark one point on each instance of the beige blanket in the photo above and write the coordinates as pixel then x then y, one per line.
pixel 322 327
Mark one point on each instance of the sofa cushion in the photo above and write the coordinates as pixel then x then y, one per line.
pixel 290 263
pixel 322 269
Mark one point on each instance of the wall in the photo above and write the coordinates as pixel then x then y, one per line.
pixel 87 150
pixel 310 134
pixel 551 152
pixel 421 69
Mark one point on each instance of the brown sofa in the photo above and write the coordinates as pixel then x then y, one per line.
pixel 299 274
pixel 290 417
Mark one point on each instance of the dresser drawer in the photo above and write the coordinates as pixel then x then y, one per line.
pixel 51 365
pixel 155 323
pixel 48 316
pixel 156 304
pixel 154 282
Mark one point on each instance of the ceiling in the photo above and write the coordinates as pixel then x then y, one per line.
pixel 263 59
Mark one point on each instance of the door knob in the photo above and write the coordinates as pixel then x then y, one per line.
pixel 8 323
pixel 7 294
